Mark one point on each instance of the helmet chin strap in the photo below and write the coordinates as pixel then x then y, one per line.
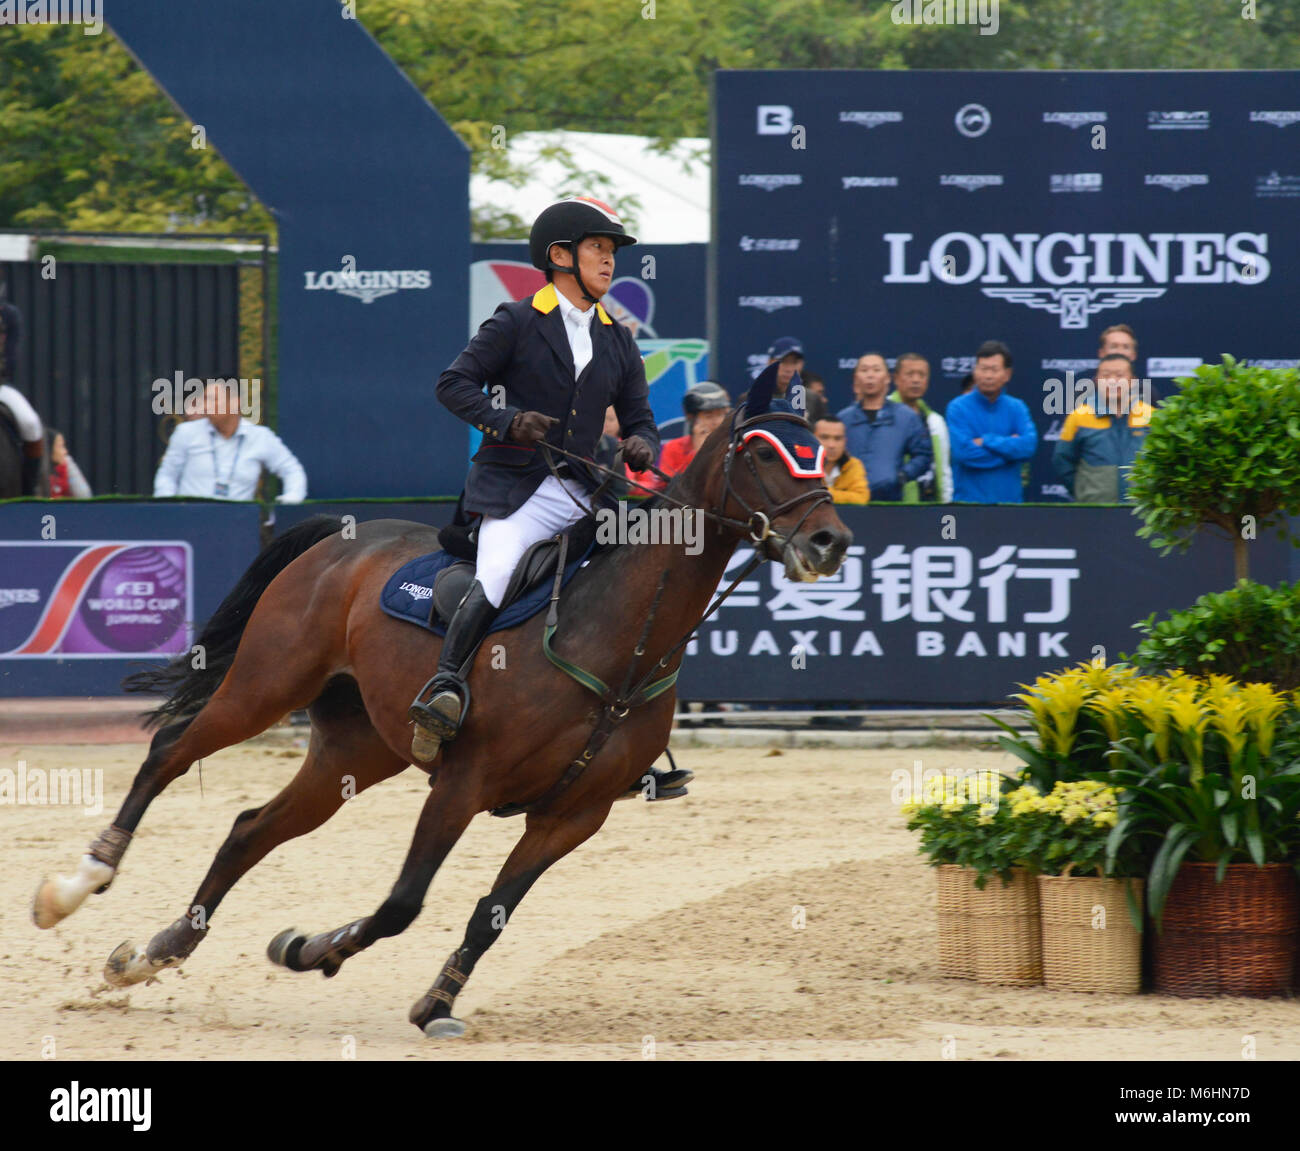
pixel 573 271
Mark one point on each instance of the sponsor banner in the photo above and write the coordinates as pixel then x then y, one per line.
pixel 935 612
pixel 96 599
pixel 1034 208
pixel 89 590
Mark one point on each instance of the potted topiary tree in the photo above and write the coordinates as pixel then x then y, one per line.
pixel 1223 454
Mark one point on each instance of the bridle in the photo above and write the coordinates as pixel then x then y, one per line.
pixel 757 525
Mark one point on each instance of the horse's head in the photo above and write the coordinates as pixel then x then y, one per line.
pixel 769 484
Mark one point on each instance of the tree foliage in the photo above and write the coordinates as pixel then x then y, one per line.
pixel 88 141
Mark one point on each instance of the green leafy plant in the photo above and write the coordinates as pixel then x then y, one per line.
pixel 1223 454
pixel 964 820
pixel 1251 633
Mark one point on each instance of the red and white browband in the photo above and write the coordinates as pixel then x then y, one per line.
pixel 804 462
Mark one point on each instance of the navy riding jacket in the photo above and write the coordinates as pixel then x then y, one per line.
pixel 522 354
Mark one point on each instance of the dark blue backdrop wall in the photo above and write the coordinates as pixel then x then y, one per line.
pixel 370 191
pixel 1067 201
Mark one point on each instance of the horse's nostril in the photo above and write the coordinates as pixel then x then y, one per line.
pixel 823 540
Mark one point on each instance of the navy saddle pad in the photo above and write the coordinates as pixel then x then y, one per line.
pixel 408 592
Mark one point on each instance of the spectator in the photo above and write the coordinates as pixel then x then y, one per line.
pixel 991 433
pixel 889 439
pixel 66 480
pixel 1098 445
pixel 1118 339
pixel 845 476
pixel 607 449
pixel 814 391
pixel 911 380
pixel 789 351
pixel 222 456
pixel 705 406
pixel 26 422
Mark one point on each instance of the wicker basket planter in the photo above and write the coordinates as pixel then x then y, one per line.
pixel 1237 937
pixel 957 892
pixel 1008 941
pixel 1089 942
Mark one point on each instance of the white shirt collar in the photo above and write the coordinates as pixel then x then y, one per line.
pixel 572 313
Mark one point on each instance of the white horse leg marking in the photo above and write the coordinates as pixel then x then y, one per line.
pixel 59 897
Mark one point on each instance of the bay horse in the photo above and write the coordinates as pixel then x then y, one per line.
pixel 303 629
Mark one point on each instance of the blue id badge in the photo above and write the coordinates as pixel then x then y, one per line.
pixel 222 491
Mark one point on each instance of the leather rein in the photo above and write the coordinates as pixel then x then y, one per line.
pixel 757 527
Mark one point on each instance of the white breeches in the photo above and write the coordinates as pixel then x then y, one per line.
pixel 29 423
pixel 502 543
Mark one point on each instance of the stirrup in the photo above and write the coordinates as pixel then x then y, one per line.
pixel 667 785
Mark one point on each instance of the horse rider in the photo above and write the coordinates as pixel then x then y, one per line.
pixel 551 364
pixel 26 422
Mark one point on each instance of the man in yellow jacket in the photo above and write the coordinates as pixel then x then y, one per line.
pixel 845 476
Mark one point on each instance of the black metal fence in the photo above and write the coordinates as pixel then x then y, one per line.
pixel 95 338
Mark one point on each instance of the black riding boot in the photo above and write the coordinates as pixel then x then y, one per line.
pixel 440 718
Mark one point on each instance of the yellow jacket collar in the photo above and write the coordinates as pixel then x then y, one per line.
pixel 546 300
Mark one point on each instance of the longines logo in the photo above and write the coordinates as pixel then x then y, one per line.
pixel 12 595
pixel 1275 186
pixel 1075 263
pixel 1074 119
pixel 869 181
pixel 1075 182
pixel 1168 367
pixel 1178 181
pixel 1277 119
pixel 771 304
pixel 1193 121
pixel 971 183
pixel 1068 365
pixel 871 119
pixel 367 286
pixel 764 244
pixel 972 120
pixel 771 183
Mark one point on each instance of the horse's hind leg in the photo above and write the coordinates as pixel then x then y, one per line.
pixel 548 838
pixel 258 690
pixel 346 755
pixel 452 803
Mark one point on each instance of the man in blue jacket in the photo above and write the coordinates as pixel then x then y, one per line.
pixel 991 433
pixel 890 439
pixel 542 369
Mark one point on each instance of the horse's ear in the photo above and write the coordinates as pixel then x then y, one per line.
pixel 760 392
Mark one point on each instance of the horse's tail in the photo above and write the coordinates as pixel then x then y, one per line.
pixel 187 686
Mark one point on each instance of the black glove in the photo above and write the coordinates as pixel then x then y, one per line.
pixel 637 454
pixel 530 427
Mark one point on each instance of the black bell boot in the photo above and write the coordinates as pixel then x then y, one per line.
pixel 440 718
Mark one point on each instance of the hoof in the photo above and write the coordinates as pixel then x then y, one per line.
pixel 444 1028
pixel 46 911
pixel 59 897
pixel 283 949
pixel 127 966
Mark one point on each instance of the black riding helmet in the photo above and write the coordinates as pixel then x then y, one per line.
pixel 706 396
pixel 570 222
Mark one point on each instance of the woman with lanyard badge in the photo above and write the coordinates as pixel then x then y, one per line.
pixel 560 361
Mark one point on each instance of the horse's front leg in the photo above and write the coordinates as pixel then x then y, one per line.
pixel 547 838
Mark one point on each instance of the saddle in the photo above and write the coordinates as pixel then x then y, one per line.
pixel 535 566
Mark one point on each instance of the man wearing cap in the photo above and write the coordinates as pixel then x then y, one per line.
pixel 705 406
pixel 539 371
pixel 788 352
